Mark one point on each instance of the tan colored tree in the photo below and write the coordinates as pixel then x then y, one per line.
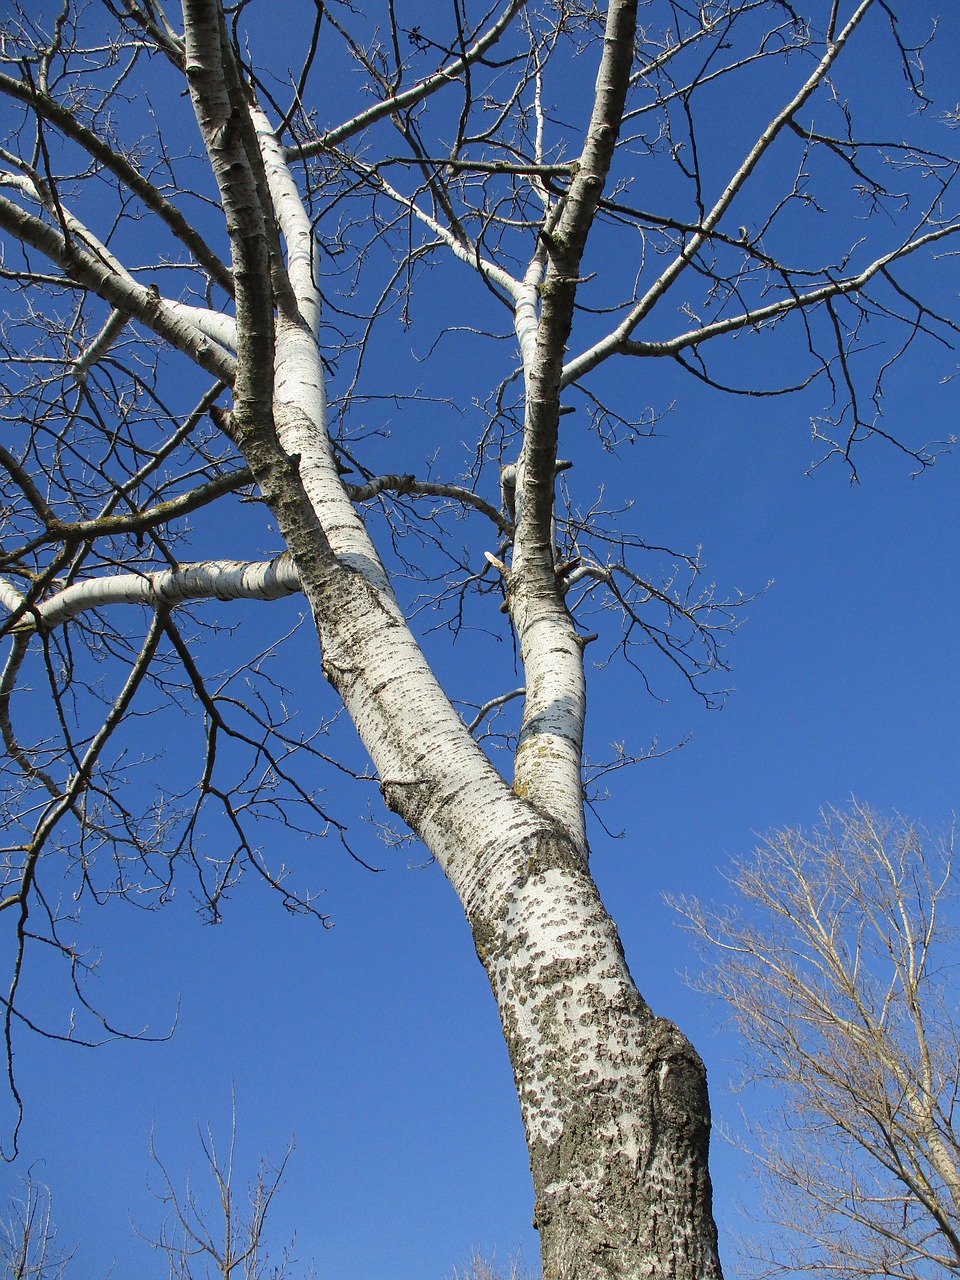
pixel 28 1237
pixel 209 260
pixel 837 964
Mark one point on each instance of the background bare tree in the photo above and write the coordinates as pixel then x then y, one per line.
pixel 200 357
pixel 481 1268
pixel 837 966
pixel 228 1242
pixel 28 1237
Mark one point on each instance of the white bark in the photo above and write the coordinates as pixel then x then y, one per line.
pixel 219 326
pixel 294 224
pixel 10 597
pixel 208 323
pixel 613 1099
pixel 300 401
pixel 117 287
pixel 550 753
pixel 527 311
pixel 166 588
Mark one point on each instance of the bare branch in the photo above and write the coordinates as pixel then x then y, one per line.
pixel 415 94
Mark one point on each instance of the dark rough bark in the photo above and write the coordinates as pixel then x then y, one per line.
pixel 603 1212
pixel 614 1099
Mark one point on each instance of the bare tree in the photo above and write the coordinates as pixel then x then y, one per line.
pixel 202 349
pixel 835 968
pixel 229 1243
pixel 482 1268
pixel 28 1238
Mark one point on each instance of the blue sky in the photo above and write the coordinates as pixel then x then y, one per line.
pixel 376 1042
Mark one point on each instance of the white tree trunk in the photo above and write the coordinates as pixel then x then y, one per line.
pixel 613 1099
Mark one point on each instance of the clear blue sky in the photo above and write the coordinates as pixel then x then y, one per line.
pixel 376 1042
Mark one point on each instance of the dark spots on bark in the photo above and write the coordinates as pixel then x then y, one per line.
pixel 622 1190
pixel 549 852
pixel 625 1188
pixel 678 1080
pixel 484 936
pixel 407 798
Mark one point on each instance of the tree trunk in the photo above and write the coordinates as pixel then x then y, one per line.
pixel 614 1099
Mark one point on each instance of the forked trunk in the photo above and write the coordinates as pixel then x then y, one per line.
pixel 613 1099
